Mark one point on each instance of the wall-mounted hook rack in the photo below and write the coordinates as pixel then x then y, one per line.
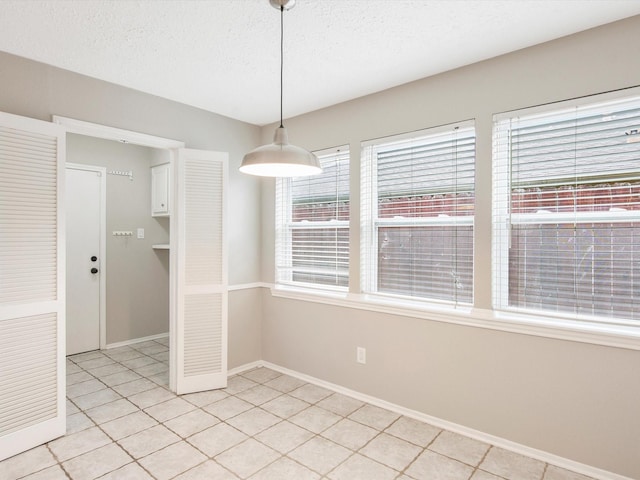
pixel 122 173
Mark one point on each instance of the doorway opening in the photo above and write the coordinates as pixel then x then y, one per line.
pixel 134 266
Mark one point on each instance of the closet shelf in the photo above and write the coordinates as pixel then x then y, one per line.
pixel 160 246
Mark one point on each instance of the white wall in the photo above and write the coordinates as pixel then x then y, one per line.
pixel 575 400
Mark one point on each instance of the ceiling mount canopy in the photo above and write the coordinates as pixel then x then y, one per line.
pixel 280 159
pixel 286 4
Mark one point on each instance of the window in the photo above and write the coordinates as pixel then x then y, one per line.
pixel 312 225
pixel 417 215
pixel 567 212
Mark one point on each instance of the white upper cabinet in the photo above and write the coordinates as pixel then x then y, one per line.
pixel 160 190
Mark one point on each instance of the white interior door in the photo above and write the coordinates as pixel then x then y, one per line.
pixel 32 283
pixel 85 196
pixel 199 263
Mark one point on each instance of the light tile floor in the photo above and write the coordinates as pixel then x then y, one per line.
pixel 124 424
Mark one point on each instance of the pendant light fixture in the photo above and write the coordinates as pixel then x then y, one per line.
pixel 280 159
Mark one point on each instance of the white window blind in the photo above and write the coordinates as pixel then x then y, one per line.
pixel 417 214
pixel 312 225
pixel 567 212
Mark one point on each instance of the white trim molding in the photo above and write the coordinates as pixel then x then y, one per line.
pixel 133 341
pixel 248 286
pixel 111 133
pixel 245 368
pixel 619 336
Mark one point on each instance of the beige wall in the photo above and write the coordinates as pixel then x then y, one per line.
pixel 39 91
pixel 137 276
pixel 571 399
pixel 576 400
pixel 245 331
pixel 36 90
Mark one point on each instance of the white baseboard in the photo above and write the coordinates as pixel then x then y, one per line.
pixel 541 455
pixel 135 340
pixel 245 367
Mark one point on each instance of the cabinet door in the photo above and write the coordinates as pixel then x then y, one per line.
pixel 160 190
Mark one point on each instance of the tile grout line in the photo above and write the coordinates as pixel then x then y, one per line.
pixel 319 434
pixel 357 451
pixel 116 442
pixel 258 405
pixel 544 472
pixel 113 441
pixel 81 410
pixel 59 463
pixel 424 449
pixel 282 420
pixel 220 421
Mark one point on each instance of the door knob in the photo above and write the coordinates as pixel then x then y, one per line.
pixel 94 270
pixel 94 258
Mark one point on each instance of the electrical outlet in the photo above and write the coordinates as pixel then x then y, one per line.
pixel 361 355
pixel 141 233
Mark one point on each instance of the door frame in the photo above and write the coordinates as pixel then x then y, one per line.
pixel 102 250
pixel 172 146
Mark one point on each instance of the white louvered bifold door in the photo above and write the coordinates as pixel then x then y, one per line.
pixel 201 271
pixel 32 380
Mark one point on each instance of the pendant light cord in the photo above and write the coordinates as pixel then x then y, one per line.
pixel 281 58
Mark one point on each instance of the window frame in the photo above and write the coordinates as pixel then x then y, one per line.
pixel 285 226
pixel 503 219
pixel 371 221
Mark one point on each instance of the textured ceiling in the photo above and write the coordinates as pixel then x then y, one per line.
pixel 223 55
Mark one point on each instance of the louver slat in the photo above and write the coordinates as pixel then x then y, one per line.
pixel 203 222
pixel 28 192
pixel 202 334
pixel 28 386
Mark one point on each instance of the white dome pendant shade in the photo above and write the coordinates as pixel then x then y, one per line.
pixel 280 159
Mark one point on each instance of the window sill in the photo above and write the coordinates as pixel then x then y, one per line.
pixel 542 326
